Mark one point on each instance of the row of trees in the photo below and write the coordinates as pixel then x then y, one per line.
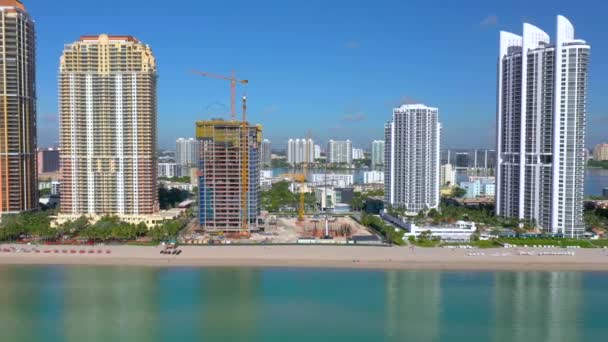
pixel 450 211
pixel 596 218
pixel 169 198
pixel 280 196
pixel 598 163
pixel 484 215
pixel 359 198
pixel 182 179
pixel 109 228
pixel 386 230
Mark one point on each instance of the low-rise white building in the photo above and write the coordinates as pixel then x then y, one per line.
pixel 373 177
pixel 459 231
pixel 479 187
pixel 176 185
pixel 326 197
pixel 54 185
pixel 332 179
pixel 265 179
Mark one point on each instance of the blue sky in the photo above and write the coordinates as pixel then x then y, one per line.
pixel 334 67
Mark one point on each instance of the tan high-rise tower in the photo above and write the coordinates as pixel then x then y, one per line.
pixel 107 101
pixel 18 184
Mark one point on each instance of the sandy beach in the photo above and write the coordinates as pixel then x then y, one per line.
pixel 318 257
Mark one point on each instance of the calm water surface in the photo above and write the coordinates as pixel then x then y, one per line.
pixel 186 304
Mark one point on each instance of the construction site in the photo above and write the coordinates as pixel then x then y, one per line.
pixel 228 176
pixel 229 189
pixel 286 230
pixel 228 170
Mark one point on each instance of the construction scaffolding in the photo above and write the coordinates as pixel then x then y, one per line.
pixel 228 196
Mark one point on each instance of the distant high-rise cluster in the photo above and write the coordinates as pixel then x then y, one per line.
pixel 265 154
pixel 358 154
pixel 470 158
pixel 300 151
pixel 542 97
pixel 107 109
pixel 378 153
pixel 18 181
pixel 186 152
pixel 340 152
pixel 229 175
pixel 317 153
pixel 412 158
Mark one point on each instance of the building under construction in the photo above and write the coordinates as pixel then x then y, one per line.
pixel 228 175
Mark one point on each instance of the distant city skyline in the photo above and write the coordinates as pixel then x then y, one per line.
pixel 340 78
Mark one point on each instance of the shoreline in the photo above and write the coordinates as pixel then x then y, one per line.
pixel 321 257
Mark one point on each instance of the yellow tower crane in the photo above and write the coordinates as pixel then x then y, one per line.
pixel 244 146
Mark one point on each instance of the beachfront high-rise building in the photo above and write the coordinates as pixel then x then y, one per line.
pixel 377 153
pixel 300 151
pixel 186 152
pixel 340 152
pixel 229 175
pixel 542 97
pixel 18 181
pixel 107 109
pixel 600 152
pixel 412 158
pixel 265 154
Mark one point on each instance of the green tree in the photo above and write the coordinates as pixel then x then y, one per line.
pixel 458 192
pixel 279 195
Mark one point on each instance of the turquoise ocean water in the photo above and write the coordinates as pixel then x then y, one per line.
pixel 56 303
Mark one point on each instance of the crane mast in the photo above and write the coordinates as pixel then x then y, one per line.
pixel 244 143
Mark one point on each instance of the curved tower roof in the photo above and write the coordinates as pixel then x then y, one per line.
pixel 12 3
